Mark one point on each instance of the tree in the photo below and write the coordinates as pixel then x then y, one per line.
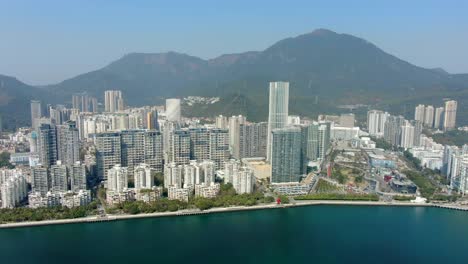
pixel 5 160
pixel 158 178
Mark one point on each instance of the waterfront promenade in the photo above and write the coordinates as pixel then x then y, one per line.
pixel 93 219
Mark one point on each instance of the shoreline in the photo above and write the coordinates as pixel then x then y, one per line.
pixel 109 218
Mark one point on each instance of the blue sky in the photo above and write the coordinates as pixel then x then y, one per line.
pixel 45 41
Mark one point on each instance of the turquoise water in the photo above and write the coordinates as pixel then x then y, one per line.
pixel 315 234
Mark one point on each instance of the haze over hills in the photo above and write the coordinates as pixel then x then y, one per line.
pixel 336 68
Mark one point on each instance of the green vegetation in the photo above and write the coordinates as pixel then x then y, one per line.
pixel 403 198
pixel 158 178
pixel 382 143
pixel 414 161
pixel 5 160
pixel 227 197
pixel 138 207
pixel 426 187
pixel 454 137
pixel 24 214
pixel 446 198
pixel 284 199
pixel 324 186
pixel 359 179
pixel 344 197
pixel 338 174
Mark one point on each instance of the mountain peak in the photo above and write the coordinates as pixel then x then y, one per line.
pixel 322 31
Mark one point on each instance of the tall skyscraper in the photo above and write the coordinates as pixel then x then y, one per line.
pixel 252 140
pixel 152 120
pixel 36 113
pixel 173 110
pixel 179 147
pixel 376 122
pixel 84 103
pixel 47 145
pixel 429 116
pixel 234 125
pixel 278 111
pixel 143 177
pixel 419 112
pixel 323 139
pixel 222 122
pixel 113 101
pixel 438 117
pixel 418 128
pixel 58 176
pixel 117 178
pixel 39 179
pixel 392 131
pixel 219 147
pixel 108 152
pixel 78 177
pixel 407 136
pixel 450 115
pixel 286 155
pixel 68 143
pixel 312 143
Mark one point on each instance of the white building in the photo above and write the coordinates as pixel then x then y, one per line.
pixel 419 113
pixel 117 179
pixel 450 115
pixel 207 190
pixel 407 136
pixel 143 177
pixel 376 122
pixel 173 175
pixel 173 110
pixel 13 189
pixel 278 110
pixel 181 194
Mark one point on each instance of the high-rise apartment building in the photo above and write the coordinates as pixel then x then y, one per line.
pixel 420 112
pixel 438 117
pixel 278 111
pixel 173 110
pixel 117 178
pixel 323 139
pixel 47 145
pixel 234 126
pixel 143 177
pixel 407 136
pixel 179 147
pixel 252 140
pixel 450 115
pixel 392 129
pixel 152 121
pixel 84 102
pixel 429 116
pixel 113 101
pixel 173 175
pixel 219 147
pixel 36 113
pixel 58 177
pixel 68 143
pixel 39 179
pixel 108 152
pixel 376 122
pixel 78 176
pixel 13 190
pixel 286 155
pixel 222 122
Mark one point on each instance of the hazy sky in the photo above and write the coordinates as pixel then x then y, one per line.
pixel 45 41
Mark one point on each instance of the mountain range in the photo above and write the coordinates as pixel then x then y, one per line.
pixel 324 69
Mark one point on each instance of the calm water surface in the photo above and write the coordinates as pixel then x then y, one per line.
pixel 315 234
